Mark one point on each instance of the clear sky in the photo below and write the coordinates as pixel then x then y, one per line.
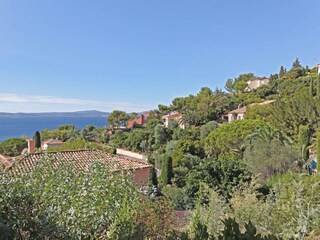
pixel 64 55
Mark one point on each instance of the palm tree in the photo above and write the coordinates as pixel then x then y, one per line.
pixel 267 134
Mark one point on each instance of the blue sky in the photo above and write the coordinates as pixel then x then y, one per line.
pixel 131 55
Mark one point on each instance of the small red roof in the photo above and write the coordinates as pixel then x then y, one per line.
pixel 138 121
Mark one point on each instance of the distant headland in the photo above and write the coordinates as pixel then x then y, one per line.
pixel 88 113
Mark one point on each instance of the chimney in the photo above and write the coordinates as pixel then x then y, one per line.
pixel 142 119
pixel 31 146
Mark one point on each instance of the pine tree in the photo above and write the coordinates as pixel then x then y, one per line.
pixel 37 139
pixel 296 70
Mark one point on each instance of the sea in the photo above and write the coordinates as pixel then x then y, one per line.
pixel 11 127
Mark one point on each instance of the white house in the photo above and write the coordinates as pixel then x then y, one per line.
pixel 174 116
pixel 258 82
pixel 239 113
pixel 51 143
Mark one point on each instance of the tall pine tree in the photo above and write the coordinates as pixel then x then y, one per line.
pixel 282 72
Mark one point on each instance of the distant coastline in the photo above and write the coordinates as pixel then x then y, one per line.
pixel 89 113
pixel 25 124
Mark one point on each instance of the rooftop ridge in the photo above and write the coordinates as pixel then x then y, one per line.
pixel 82 159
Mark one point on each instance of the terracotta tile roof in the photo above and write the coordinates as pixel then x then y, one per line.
pixel 239 110
pixel 142 119
pixel 81 159
pixel 5 161
pixel 53 141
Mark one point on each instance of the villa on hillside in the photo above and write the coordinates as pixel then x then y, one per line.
pixel 258 82
pixel 51 143
pixel 239 113
pixel 173 116
pixel 140 121
pixel 81 160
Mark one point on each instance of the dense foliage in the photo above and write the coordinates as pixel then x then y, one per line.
pixel 13 146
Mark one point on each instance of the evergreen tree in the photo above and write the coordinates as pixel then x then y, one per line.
pixel 153 177
pixel 304 141
pixel 166 170
pixel 37 139
pixel 312 88
pixel 296 70
pixel 318 86
pixel 282 72
pixel 318 150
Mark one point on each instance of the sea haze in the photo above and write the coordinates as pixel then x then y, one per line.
pixel 25 124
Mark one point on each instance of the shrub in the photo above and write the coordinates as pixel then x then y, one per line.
pixel 13 146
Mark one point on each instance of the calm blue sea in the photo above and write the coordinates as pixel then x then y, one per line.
pixel 26 126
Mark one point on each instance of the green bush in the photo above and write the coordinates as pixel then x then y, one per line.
pixel 13 146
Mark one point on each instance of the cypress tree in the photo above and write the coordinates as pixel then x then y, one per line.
pixel 37 139
pixel 282 72
pixel 318 151
pixel 318 86
pixel 312 88
pixel 153 177
pixel 304 141
pixel 166 170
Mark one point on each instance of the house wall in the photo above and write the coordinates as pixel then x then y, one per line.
pixel 166 122
pixel 141 176
pixel 175 118
pixel 240 116
pixel 131 154
pixel 230 117
pixel 47 146
pixel 31 146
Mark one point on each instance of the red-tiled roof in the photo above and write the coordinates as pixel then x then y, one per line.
pixel 138 121
pixel 5 161
pixel 81 159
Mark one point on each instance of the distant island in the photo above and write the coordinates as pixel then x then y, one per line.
pixel 88 113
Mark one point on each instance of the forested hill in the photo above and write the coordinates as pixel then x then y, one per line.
pixel 230 169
